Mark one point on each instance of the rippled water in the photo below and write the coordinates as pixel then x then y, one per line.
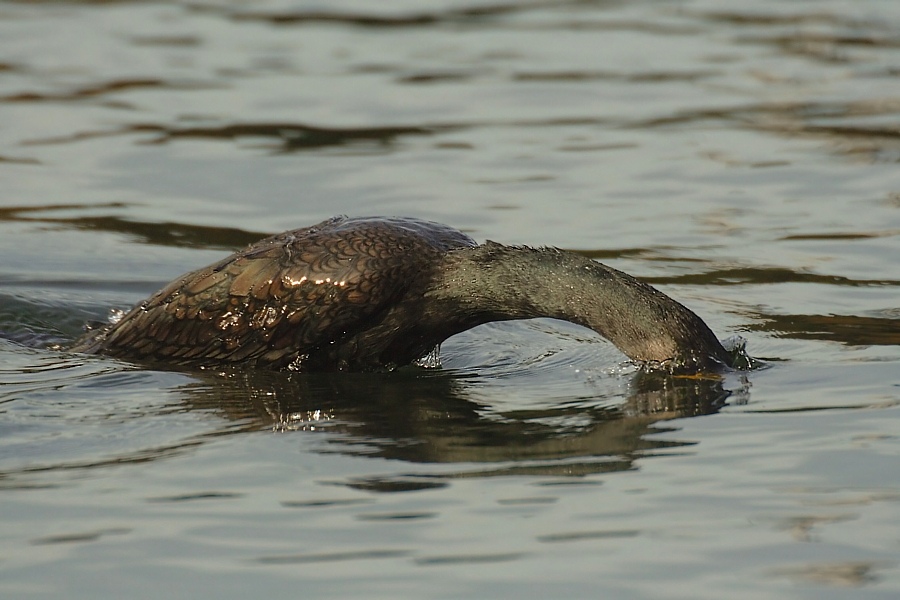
pixel 742 157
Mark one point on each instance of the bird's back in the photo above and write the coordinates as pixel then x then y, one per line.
pixel 293 300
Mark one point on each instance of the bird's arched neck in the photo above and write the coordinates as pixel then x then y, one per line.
pixel 494 282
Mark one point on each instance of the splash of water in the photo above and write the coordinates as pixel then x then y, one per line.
pixel 432 360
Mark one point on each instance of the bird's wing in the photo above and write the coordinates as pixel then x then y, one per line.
pixel 271 304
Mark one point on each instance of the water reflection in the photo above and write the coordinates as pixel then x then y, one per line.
pixel 852 330
pixel 828 121
pixel 288 137
pixel 424 417
pixel 764 275
pixel 165 233
pixel 842 574
pixel 412 415
pixel 417 19
pixel 100 90
pixel 846 125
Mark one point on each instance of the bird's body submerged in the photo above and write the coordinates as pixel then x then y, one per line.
pixel 377 293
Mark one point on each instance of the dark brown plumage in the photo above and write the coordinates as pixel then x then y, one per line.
pixel 377 293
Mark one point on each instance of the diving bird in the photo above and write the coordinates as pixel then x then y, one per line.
pixel 364 294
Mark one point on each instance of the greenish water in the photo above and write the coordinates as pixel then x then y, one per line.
pixel 743 158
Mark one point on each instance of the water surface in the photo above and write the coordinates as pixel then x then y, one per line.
pixel 744 159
